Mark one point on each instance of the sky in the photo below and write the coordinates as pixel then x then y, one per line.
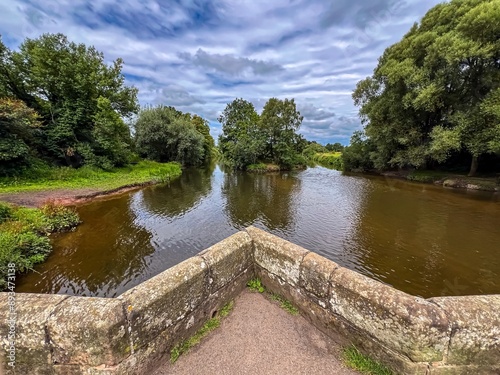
pixel 200 55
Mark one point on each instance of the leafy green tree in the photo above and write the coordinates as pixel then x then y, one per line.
pixel 111 136
pixel 165 134
pixel 313 148
pixel 18 123
pixel 202 126
pixel 356 156
pixel 64 82
pixel 279 121
pixel 242 142
pixel 336 147
pixel 426 98
pixel 247 137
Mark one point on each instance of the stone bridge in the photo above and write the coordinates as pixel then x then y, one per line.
pixel 133 333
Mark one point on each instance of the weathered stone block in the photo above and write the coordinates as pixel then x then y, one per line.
pixel 475 322
pixel 315 272
pixel 228 258
pixel 163 300
pixel 33 354
pixel 89 331
pixel 147 358
pixel 276 255
pixel 408 325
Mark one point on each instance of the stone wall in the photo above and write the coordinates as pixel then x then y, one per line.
pixel 412 335
pixel 133 333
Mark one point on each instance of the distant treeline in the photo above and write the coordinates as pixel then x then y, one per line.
pixel 62 105
pixel 433 100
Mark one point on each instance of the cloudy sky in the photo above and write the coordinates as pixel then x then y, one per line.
pixel 199 55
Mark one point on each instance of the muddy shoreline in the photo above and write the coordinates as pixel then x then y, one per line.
pixel 67 197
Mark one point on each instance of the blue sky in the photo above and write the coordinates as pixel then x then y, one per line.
pixel 200 55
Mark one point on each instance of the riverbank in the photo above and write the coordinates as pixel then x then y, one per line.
pixel 68 186
pixel 448 180
pixel 271 168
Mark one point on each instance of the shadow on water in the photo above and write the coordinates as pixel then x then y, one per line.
pixel 422 239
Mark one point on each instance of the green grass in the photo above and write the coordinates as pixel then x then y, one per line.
pixel 255 285
pixel 45 178
pixel 194 340
pixel 329 159
pixel 23 235
pixel 356 360
pixel 284 303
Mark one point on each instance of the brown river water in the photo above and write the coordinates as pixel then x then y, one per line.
pixel 423 239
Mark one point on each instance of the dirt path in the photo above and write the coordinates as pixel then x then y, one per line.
pixel 259 337
pixel 65 197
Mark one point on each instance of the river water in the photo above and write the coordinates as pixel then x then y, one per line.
pixel 423 239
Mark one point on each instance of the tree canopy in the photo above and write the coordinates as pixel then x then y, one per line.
pixel 165 134
pixel 248 137
pixel 81 100
pixel 436 92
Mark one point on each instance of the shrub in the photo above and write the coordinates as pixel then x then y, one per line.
pixel 5 212
pixel 23 234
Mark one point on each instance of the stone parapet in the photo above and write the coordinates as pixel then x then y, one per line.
pixel 133 333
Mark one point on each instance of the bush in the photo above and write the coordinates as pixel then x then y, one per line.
pixel 59 218
pixel 5 212
pixel 23 234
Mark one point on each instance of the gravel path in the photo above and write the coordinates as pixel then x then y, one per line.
pixel 259 337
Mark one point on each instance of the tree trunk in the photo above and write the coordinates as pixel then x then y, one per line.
pixel 473 166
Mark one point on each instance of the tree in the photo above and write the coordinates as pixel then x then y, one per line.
pixel 424 101
pixel 241 142
pixel 248 138
pixel 165 134
pixel 313 148
pixel 202 126
pixel 356 156
pixel 336 147
pixel 18 123
pixel 111 137
pixel 279 122
pixel 64 82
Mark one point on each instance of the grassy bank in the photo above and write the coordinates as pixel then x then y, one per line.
pixel 87 177
pixel 328 159
pixel 23 236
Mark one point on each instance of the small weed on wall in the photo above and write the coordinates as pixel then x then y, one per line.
pixel 208 327
pixel 255 285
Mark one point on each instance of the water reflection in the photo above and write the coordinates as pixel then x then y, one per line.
pixel 182 195
pixel 262 200
pixel 101 257
pixel 427 240
pixel 422 239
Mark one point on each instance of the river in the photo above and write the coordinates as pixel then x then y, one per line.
pixel 423 239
